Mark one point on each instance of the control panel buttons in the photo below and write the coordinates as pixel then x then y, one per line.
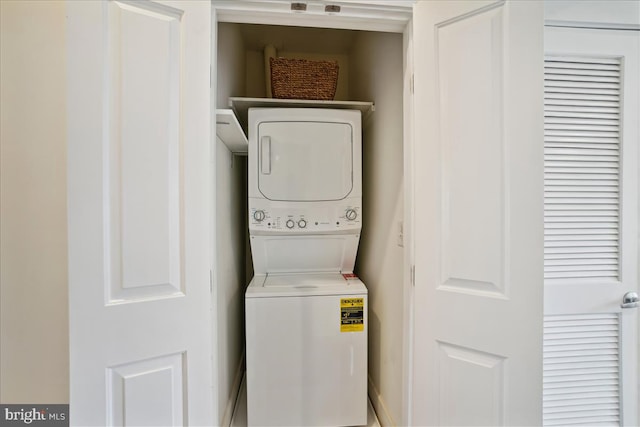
pixel 259 215
pixel 304 221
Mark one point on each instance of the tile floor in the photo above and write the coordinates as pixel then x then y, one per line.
pixel 240 411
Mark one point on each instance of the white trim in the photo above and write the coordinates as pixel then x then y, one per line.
pixel 596 14
pixel 373 16
pixel 408 226
pixel 235 394
pixel 384 418
pixel 592 25
pixel 396 3
pixel 215 347
pixel 384 18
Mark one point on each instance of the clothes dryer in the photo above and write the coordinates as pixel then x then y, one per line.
pixel 305 182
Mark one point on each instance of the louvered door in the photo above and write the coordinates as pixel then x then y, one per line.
pixel 582 166
pixel 591 218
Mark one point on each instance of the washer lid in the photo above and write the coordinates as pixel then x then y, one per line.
pixel 308 284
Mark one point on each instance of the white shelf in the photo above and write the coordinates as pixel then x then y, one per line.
pixel 241 106
pixel 229 131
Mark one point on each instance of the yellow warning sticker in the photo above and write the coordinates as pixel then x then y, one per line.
pixel 351 314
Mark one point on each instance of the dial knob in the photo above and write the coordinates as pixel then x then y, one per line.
pixel 259 215
pixel 290 223
pixel 302 223
pixel 351 214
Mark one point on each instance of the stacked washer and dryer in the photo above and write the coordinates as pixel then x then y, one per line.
pixel 306 312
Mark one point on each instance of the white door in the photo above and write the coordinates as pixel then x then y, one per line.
pixel 477 334
pixel 591 217
pixel 138 202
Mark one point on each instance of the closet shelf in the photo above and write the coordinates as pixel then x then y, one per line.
pixel 229 131
pixel 241 106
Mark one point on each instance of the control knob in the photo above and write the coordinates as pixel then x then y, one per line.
pixel 290 223
pixel 259 215
pixel 351 214
pixel 302 223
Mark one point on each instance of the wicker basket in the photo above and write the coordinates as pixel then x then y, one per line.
pixel 303 79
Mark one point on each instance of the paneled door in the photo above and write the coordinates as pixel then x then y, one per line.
pixel 138 203
pixel 591 141
pixel 477 331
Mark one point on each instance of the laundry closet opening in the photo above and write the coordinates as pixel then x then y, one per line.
pixel 370 69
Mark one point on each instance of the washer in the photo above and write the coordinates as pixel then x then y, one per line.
pixel 306 343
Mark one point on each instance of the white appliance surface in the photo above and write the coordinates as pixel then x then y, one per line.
pixel 304 154
pixel 306 323
pixel 305 170
pixel 305 189
pixel 305 161
pixel 304 253
pixel 306 364
pixel 310 284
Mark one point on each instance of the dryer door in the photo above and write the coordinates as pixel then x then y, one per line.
pixel 305 161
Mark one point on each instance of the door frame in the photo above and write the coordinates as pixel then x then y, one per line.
pixel 366 15
pixel 375 16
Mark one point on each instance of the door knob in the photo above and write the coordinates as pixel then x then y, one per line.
pixel 630 300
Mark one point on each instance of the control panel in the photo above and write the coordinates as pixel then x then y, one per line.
pixel 300 217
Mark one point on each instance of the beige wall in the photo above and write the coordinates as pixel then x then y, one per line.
pixel 231 64
pixel 34 358
pixel 376 75
pixel 230 279
pixel 231 228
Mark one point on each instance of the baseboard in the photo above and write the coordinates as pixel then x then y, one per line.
pixel 235 392
pixel 379 406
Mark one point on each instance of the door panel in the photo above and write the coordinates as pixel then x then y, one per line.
pixel 474 379
pixel 144 164
pixel 478 242
pixel 582 369
pixel 147 393
pixel 591 213
pixel 473 154
pixel 138 197
pixel 305 161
